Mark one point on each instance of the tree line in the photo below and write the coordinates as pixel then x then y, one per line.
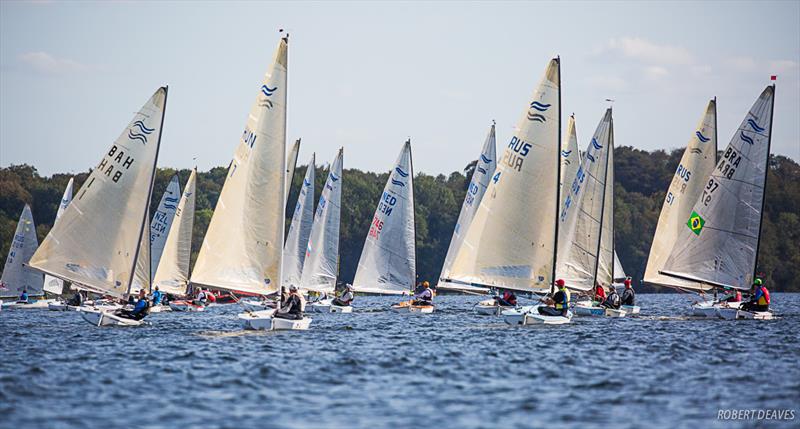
pixel 642 178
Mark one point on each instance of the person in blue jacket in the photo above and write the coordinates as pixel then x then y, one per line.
pixel 157 296
pixel 140 310
pixel 24 296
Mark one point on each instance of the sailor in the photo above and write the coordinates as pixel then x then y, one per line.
pixel 732 295
pixel 628 296
pixel 558 305
pixel 157 296
pixel 292 306
pixel 612 300
pixel 140 310
pixel 759 301
pixel 425 296
pixel 23 298
pixel 599 293
pixel 346 298
pixel 200 299
pixel 507 300
pixel 76 300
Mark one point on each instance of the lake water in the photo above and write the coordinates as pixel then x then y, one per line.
pixel 377 369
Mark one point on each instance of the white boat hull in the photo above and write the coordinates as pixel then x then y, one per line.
pixel 413 309
pixel 631 309
pixel 587 309
pixel 614 312
pixel 57 306
pixel 250 305
pixel 186 306
pixel 530 316
pixel 33 305
pixel 327 307
pixel 709 308
pixel 264 321
pixel 489 307
pixel 104 318
pixel 159 308
pixel 735 313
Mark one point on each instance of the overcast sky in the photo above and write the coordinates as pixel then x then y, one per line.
pixel 368 75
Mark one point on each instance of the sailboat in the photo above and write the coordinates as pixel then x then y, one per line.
pixel 243 247
pixel 504 247
pixel 172 274
pixel 321 267
pixel 52 284
pixel 719 244
pixel 388 259
pixel 687 185
pixel 97 240
pixel 17 277
pixel 291 164
pixel 294 250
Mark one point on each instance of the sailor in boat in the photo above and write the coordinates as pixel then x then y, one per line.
pixel 157 297
pixel 731 295
pixel 140 310
pixel 612 300
pixel 346 298
pixel 76 300
pixel 558 305
pixel 759 300
pixel 201 298
pixel 210 297
pixel 293 306
pixel 424 297
pixel 23 298
pixel 599 293
pixel 507 300
pixel 628 296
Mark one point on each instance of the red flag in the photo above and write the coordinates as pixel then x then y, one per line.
pixel 773 77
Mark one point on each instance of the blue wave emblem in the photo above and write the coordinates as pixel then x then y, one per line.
pixel 400 172
pixel 536 117
pixel 566 153
pixel 485 159
pixel 590 157
pixel 306 182
pixel 334 178
pixel 755 126
pixel 596 144
pixel 696 150
pixel 143 128
pixel 266 103
pixel 136 136
pixel 540 106
pixel 171 203
pixel 398 183
pixel 267 90
pixel 481 170
pixel 702 138
pixel 745 138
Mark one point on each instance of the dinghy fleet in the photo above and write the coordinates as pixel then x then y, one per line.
pixel 538 215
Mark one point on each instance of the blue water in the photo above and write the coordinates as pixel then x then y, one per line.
pixel 378 369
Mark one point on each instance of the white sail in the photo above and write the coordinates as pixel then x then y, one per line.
pixel 142 273
pixel 619 272
pixel 511 242
pixel 52 284
pixel 172 275
pixel 687 185
pixel 294 250
pixel 321 267
pixel 16 276
pixel 162 221
pixel 291 163
pixel 481 176
pixel 570 157
pixel 96 240
pixel 719 243
pixel 243 245
pixel 605 262
pixel 582 211
pixel 388 260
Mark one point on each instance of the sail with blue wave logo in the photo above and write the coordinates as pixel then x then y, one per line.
pixel 481 176
pixel 690 178
pixel 388 259
pixel 172 275
pixel 98 238
pixel 570 155
pixel 511 242
pixel 52 284
pixel 294 250
pixel 243 246
pixel 162 220
pixel 16 276
pixel 718 242
pixel 321 266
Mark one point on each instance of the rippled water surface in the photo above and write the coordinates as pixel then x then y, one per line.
pixel 378 369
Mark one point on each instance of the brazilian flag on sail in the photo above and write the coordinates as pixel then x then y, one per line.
pixel 696 223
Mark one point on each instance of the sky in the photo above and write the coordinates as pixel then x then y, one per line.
pixel 369 75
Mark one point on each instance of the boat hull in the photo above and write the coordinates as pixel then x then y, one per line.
pixel 34 305
pixel 160 308
pixel 530 316
pixel 104 318
pixel 412 309
pixel 631 309
pixel 186 306
pixel 265 321
pixel 735 313
pixel 489 307
pixel 709 308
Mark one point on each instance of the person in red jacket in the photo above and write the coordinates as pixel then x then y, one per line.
pixel 599 293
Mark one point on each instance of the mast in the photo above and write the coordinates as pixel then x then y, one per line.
pixel 284 191
pixel 603 211
pixel 766 174
pixel 149 197
pixel 558 182
pixel 613 238
pixel 413 206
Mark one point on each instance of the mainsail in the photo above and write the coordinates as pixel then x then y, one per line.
pixel 294 251
pixel 511 242
pixel 243 245
pixel 321 267
pixel 687 185
pixel 162 221
pixel 172 275
pixel 97 239
pixel 481 176
pixel 582 212
pixel 52 284
pixel 16 276
pixel 388 261
pixel 291 163
pixel 619 272
pixel 570 158
pixel 720 240
pixel 606 255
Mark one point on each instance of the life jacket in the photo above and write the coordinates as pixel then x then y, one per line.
pixel 561 304
pixel 764 299
pixel 510 298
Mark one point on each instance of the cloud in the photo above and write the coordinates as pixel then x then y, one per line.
pixel 745 64
pixel 782 66
pixel 655 72
pixel 613 83
pixel 648 52
pixel 42 62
